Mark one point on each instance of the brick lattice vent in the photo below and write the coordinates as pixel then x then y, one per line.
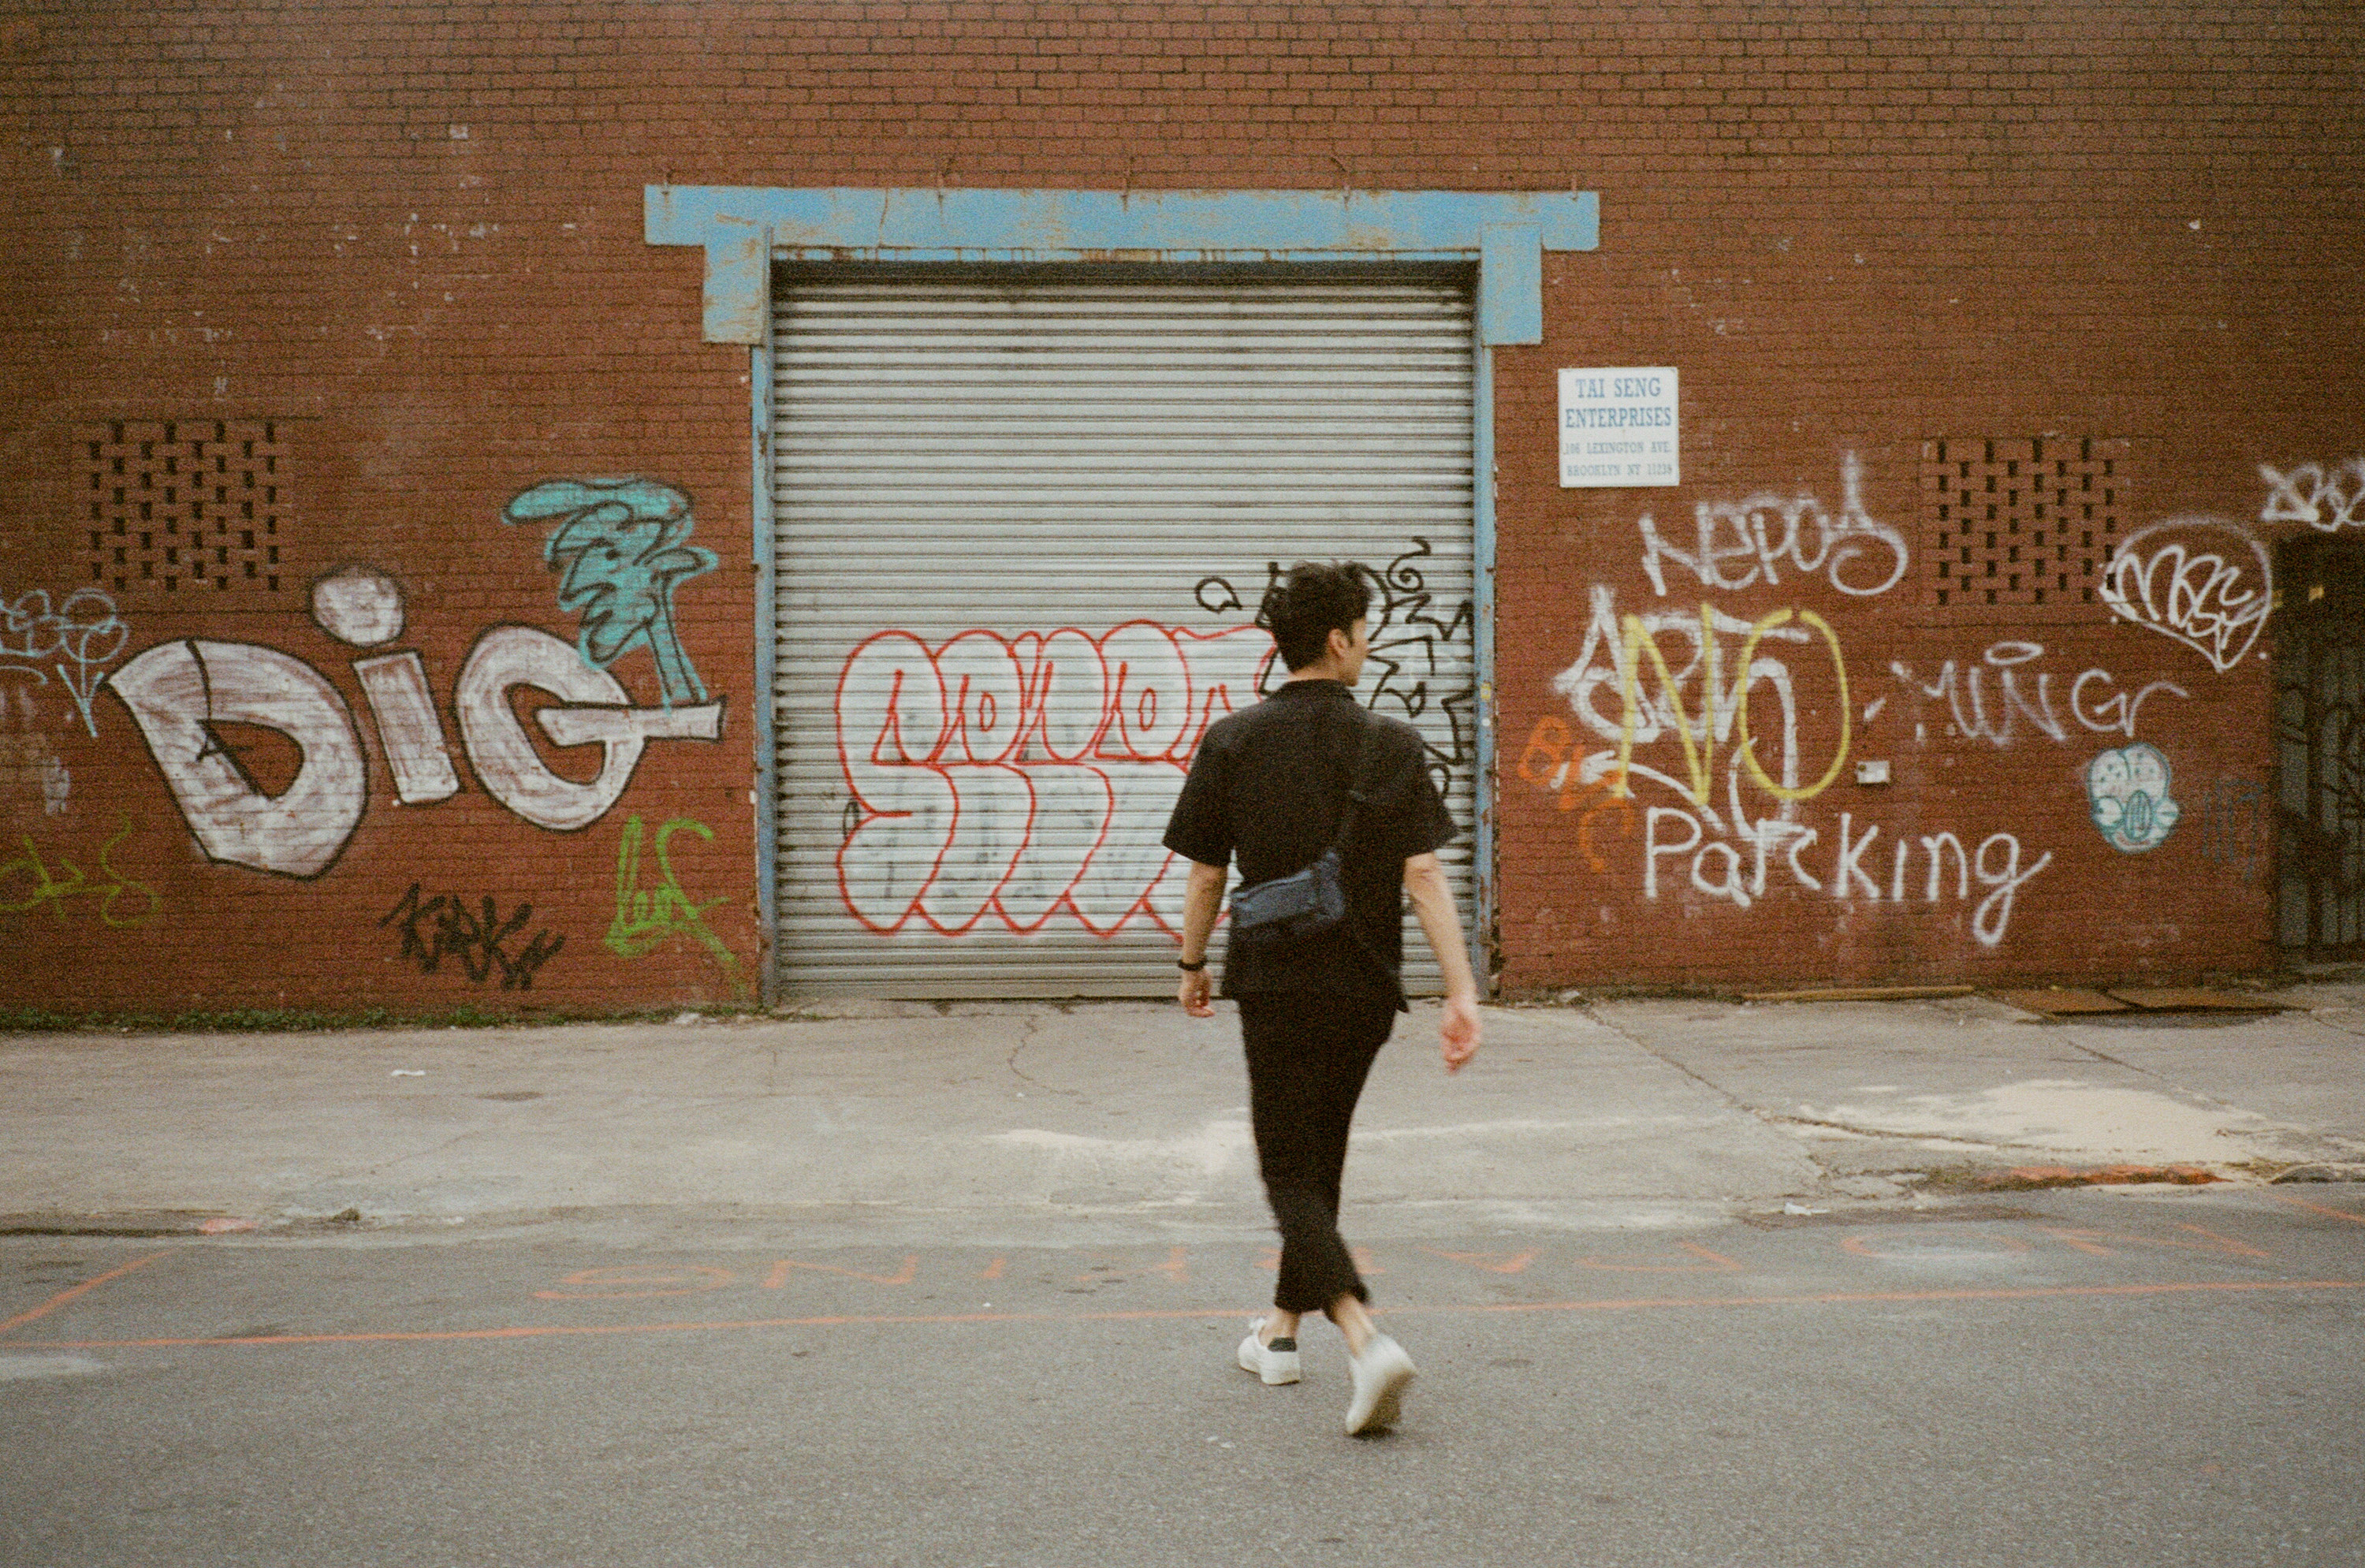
pixel 183 506
pixel 2019 522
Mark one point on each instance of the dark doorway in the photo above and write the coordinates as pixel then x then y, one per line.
pixel 2320 746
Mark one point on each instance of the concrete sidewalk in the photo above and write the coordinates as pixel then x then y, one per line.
pixel 1020 1120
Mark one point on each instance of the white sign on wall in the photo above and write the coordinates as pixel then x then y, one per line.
pixel 1617 428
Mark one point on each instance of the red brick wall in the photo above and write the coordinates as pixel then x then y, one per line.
pixel 409 236
pixel 1856 232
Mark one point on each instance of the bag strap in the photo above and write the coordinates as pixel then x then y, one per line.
pixel 1358 782
pixel 1358 790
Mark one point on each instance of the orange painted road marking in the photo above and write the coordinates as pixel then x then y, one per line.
pixel 993 1270
pixel 779 1278
pixel 1863 1248
pixel 2279 1197
pixel 1716 1262
pixel 64 1296
pixel 2089 1240
pixel 1826 1298
pixel 686 1280
pixel 1176 1268
pixel 1493 1262
pixel 1173 1268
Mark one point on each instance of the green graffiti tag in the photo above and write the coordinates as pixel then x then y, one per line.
pixel 648 917
pixel 26 883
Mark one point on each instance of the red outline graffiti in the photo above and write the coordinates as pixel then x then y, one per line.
pixel 1021 711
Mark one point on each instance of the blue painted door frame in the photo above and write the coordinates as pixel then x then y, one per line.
pixel 744 230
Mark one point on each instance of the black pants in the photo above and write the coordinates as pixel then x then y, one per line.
pixel 1309 1054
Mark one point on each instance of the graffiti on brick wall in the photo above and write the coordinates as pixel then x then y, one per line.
pixel 2204 583
pixel 2128 792
pixel 1846 867
pixel 1740 721
pixel 1551 760
pixel 593 708
pixel 2236 825
pixel 483 940
pixel 1740 544
pixel 38 879
pixel 1992 697
pixel 618 545
pixel 1005 780
pixel 2324 497
pixel 1667 720
pixel 620 541
pixel 72 639
pixel 181 693
pixel 647 918
pixel 1736 859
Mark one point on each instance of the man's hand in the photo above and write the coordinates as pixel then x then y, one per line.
pixel 1432 900
pixel 1202 900
pixel 1460 1029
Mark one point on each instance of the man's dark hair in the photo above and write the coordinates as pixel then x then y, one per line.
pixel 1302 609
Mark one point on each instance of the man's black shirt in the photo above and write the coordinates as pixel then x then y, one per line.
pixel 1270 783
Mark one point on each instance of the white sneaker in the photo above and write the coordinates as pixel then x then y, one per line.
pixel 1381 1374
pixel 1276 1363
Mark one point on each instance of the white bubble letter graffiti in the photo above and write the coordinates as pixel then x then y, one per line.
pixel 504 757
pixel 177 691
pixel 891 722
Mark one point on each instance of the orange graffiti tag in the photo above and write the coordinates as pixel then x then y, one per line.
pixel 1549 762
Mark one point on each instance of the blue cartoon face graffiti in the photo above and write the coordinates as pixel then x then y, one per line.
pixel 2127 792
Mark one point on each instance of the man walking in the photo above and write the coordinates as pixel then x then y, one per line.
pixel 1271 784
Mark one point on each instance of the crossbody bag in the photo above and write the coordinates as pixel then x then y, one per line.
pixel 1285 910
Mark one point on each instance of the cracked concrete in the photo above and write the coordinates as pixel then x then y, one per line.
pixel 1634 1111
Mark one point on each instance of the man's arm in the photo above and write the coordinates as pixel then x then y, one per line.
pixel 1201 902
pixel 1432 900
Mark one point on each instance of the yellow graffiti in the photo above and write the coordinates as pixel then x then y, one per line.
pixel 1700 759
pixel 42 886
pixel 1699 751
pixel 646 917
pixel 1741 716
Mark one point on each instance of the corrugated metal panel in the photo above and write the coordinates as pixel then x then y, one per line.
pixel 1023 528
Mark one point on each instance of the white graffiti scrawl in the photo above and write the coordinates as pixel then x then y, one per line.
pixel 2205 583
pixel 2327 500
pixel 75 639
pixel 1740 543
pixel 2009 666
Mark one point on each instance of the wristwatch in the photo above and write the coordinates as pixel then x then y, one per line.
pixel 1190 968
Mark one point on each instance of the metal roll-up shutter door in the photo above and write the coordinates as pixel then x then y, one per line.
pixel 1024 524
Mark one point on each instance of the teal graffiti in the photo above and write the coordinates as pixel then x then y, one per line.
pixel 28 882
pixel 647 918
pixel 2127 793
pixel 618 544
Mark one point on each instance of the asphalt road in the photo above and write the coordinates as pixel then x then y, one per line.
pixel 2095 1378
